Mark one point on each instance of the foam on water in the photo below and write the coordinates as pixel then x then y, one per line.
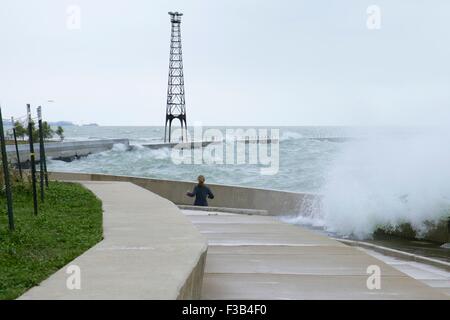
pixel 290 135
pixel 158 154
pixel 119 147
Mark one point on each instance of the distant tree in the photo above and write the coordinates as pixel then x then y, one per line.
pixel 60 133
pixel 47 131
pixel 21 132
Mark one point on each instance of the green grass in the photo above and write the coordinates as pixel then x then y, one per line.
pixel 69 223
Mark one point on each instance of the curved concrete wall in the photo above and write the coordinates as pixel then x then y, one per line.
pixel 275 202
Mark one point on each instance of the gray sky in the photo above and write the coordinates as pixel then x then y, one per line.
pixel 247 62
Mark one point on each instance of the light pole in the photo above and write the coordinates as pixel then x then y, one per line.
pixel 32 159
pixel 17 147
pixel 7 181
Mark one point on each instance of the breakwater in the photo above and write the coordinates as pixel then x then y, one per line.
pixel 66 151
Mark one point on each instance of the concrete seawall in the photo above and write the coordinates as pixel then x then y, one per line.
pixel 64 150
pixel 274 202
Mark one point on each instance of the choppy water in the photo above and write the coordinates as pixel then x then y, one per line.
pixel 302 161
pixel 376 176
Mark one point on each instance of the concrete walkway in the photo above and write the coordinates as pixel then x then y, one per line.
pixel 431 275
pixel 150 251
pixel 255 257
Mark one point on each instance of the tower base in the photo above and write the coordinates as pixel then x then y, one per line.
pixel 169 120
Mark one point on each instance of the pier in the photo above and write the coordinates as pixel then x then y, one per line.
pixel 65 150
pixel 205 143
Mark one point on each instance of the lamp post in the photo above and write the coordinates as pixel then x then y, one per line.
pixel 41 153
pixel 19 164
pixel 32 159
pixel 6 176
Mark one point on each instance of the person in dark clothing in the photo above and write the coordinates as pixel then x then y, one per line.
pixel 201 192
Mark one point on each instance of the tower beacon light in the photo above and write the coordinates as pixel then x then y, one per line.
pixel 176 103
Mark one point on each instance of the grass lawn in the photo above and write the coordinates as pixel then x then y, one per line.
pixel 69 223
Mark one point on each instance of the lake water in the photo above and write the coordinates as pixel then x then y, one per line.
pixel 371 177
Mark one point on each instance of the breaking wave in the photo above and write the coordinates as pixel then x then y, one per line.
pixel 290 135
pixel 383 182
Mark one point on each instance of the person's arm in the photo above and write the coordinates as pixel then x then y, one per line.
pixel 210 194
pixel 192 194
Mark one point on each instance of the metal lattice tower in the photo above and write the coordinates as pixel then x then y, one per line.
pixel 176 106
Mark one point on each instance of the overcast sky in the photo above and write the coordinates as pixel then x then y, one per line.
pixel 247 62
